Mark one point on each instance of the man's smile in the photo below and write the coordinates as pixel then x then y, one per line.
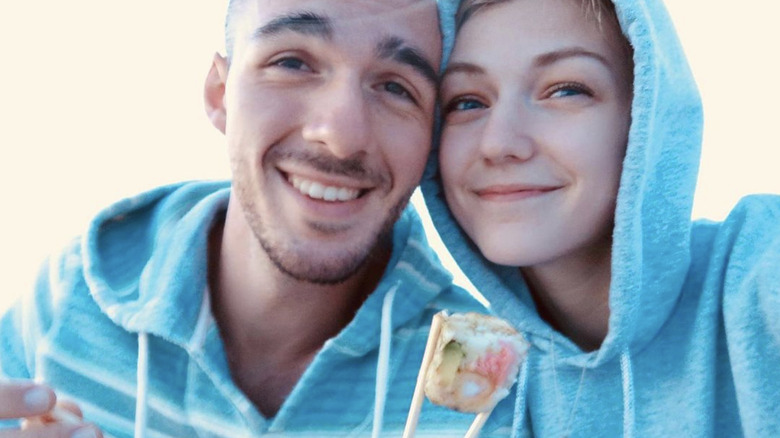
pixel 316 190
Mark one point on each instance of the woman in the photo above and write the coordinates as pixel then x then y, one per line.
pixel 568 160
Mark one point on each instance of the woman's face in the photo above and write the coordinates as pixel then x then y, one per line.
pixel 536 103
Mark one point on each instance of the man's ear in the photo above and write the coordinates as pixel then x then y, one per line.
pixel 214 92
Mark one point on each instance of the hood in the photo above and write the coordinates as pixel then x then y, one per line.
pixel 651 239
pixel 145 257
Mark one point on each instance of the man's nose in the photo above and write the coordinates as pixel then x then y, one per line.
pixel 339 118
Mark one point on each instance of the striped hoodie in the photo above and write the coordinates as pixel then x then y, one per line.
pixel 120 322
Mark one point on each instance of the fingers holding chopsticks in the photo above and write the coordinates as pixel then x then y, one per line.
pixel 19 399
pixel 41 415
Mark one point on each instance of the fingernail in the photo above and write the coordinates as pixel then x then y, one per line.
pixel 84 432
pixel 37 399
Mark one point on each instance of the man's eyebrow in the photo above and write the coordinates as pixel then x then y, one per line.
pixel 305 22
pixel 549 58
pixel 395 48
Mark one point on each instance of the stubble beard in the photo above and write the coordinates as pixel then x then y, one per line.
pixel 297 260
pixel 300 264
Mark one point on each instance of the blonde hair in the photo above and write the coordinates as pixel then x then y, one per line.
pixel 598 9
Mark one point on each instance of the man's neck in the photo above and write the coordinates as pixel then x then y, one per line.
pixel 271 324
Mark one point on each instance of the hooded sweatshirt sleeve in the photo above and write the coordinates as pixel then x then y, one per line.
pixel 22 327
pixel 749 247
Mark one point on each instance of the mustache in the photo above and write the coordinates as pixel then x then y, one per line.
pixel 353 167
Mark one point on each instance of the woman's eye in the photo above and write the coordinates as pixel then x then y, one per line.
pixel 291 63
pixel 464 105
pixel 570 90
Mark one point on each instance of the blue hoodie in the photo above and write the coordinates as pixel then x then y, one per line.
pixel 120 322
pixel 693 346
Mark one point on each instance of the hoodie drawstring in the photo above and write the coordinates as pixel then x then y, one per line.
pixel 627 376
pixel 628 394
pixel 518 422
pixel 142 384
pixel 383 361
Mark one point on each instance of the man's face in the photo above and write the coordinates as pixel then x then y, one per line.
pixel 328 110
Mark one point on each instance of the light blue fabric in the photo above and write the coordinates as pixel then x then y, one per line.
pixel 139 273
pixel 693 347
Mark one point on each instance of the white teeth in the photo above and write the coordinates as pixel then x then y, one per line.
pixel 346 194
pixel 316 190
pixel 330 193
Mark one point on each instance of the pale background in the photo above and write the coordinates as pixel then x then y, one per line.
pixel 101 99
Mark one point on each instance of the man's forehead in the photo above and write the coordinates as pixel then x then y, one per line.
pixel 414 22
pixel 387 14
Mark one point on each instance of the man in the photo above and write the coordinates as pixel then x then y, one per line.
pixel 295 301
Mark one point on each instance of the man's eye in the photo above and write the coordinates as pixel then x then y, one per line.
pixel 291 63
pixel 397 89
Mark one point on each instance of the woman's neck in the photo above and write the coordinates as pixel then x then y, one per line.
pixel 572 295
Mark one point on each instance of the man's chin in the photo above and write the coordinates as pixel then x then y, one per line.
pixel 333 255
pixel 319 262
pixel 324 272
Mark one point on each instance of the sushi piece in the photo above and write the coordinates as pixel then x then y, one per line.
pixel 475 361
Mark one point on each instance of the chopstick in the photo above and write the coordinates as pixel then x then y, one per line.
pixel 476 426
pixel 419 389
pixel 419 393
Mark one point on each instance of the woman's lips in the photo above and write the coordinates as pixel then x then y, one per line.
pixel 514 191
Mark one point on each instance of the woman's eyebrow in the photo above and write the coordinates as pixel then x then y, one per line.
pixel 463 68
pixel 552 57
pixel 543 60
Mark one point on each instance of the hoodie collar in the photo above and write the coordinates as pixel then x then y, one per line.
pixel 146 264
pixel 415 275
